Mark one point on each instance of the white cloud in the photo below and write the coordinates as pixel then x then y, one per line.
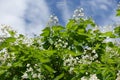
pixel 103 10
pixel 64 8
pixel 104 7
pixel 28 16
pixel 14 12
pixel 11 13
pixel 37 13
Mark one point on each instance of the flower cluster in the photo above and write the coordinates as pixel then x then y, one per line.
pixel 23 40
pixel 119 5
pixel 112 52
pixel 73 61
pixel 27 41
pixel 106 28
pixel 61 44
pixel 118 75
pixel 6 57
pixel 32 72
pixel 96 28
pixel 78 13
pixel 88 56
pixel 117 41
pixel 5 31
pixel 53 21
pixel 70 61
pixel 92 77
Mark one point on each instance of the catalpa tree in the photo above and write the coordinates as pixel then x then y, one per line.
pixel 77 51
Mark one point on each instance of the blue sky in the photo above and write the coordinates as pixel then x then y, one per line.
pixel 31 16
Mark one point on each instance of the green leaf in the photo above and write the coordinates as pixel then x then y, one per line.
pixel 81 31
pixel 12 33
pixel 108 34
pixel 46 32
pixel 49 52
pixel 51 41
pixel 64 34
pixel 2 72
pixel 48 68
pixel 59 76
pixel 83 35
pixel 117 30
pixel 91 22
pixel 118 12
pixel 10 39
pixel 70 24
pixel 97 46
pixel 57 28
pixel 70 52
pixel 17 64
pixel 44 60
pixel 15 77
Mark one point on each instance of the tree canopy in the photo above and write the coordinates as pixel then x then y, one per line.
pixel 77 51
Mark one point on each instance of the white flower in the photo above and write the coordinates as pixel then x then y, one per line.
pixel 85 57
pixel 28 65
pixel 1 58
pixel 78 13
pixel 39 70
pixel 86 73
pixel 70 61
pixel 93 51
pixel 25 76
pixel 66 43
pixel 93 77
pixel 106 28
pixel 13 56
pixel 6 56
pixel 36 65
pixel 9 64
pixel 59 40
pixel 4 31
pixel 96 28
pixel 53 20
pixel 87 47
pixel 3 50
pixel 108 48
pixel 39 76
pixel 34 75
pixel 119 5
pixel 118 75
pixel 77 58
pixel 30 69
pixel 118 78
pixel 71 70
pixel 84 78
pixel 64 46
pixel 95 56
pixel 27 41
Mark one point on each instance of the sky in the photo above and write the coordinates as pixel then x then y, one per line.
pixel 31 16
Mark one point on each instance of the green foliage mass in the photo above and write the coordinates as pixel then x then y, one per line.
pixel 62 53
pixel 118 12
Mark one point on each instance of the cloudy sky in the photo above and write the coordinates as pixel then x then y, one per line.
pixel 31 16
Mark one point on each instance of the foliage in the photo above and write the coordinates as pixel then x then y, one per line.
pixel 118 12
pixel 73 52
